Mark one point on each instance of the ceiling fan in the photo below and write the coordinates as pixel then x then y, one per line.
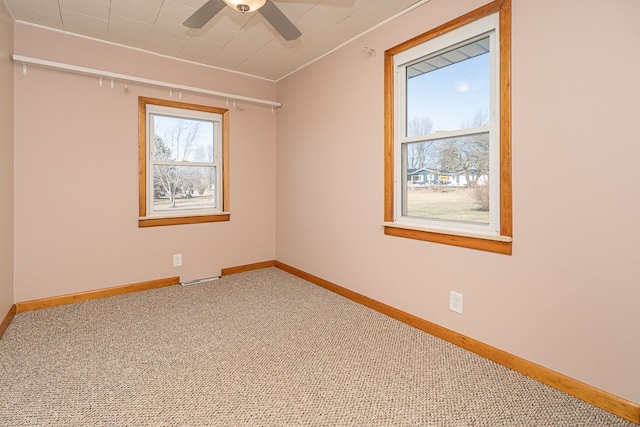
pixel 266 8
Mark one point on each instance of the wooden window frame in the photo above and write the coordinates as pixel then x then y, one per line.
pixel 502 243
pixel 153 221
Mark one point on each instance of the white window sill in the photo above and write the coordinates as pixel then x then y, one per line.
pixel 182 214
pixel 496 238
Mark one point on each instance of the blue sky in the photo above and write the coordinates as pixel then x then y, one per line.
pixel 451 95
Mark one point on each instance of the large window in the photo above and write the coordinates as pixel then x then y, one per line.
pixel 182 159
pixel 447 139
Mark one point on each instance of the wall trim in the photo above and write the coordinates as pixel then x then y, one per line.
pixel 592 395
pixel 96 294
pixel 247 267
pixel 7 320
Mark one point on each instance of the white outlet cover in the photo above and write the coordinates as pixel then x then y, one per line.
pixel 177 260
pixel 455 302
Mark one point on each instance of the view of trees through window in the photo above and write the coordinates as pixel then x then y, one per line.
pixel 184 174
pixel 446 171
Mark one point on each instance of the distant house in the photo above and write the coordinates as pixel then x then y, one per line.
pixel 427 176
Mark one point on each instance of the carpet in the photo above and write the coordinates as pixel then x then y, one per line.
pixel 261 348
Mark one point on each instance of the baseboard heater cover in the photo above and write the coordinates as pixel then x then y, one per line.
pixel 198 281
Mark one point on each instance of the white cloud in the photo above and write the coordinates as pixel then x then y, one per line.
pixel 463 87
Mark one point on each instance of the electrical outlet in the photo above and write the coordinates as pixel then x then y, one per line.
pixel 177 260
pixel 455 302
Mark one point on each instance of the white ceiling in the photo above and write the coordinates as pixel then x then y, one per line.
pixel 243 43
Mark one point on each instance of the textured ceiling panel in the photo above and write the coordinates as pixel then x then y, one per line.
pixel 239 42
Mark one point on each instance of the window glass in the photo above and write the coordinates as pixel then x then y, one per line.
pixel 450 90
pixel 178 142
pixel 182 139
pixel 183 187
pixel 448 86
pixel 458 186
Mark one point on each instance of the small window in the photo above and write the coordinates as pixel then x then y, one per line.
pixel 416 179
pixel 182 158
pixel 447 110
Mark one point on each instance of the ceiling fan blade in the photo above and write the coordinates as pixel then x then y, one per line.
pixel 279 21
pixel 204 14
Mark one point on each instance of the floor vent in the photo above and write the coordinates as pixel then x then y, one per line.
pixel 198 281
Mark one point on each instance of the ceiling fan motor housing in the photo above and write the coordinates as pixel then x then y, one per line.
pixel 270 12
pixel 245 5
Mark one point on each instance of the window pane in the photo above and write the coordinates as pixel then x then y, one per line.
pixel 183 187
pixel 182 139
pixel 450 90
pixel 447 179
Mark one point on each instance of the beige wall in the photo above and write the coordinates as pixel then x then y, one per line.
pixel 6 161
pixel 76 164
pixel 568 297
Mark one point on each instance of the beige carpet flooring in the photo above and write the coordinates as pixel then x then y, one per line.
pixel 261 348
